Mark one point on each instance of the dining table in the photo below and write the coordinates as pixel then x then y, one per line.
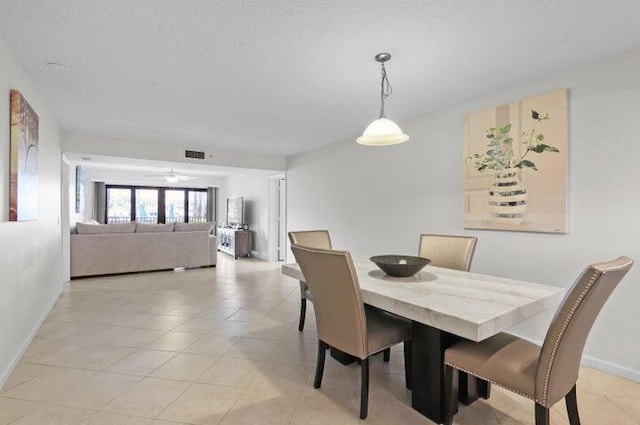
pixel 445 306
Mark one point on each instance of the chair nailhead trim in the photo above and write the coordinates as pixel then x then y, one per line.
pixel 574 307
pixel 493 382
pixel 597 273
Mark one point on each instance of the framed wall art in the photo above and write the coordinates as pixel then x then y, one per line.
pixel 515 170
pixel 23 187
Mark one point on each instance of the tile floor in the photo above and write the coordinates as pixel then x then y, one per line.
pixel 221 346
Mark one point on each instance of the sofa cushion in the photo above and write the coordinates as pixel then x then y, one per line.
pixel 193 227
pixel 84 228
pixel 153 228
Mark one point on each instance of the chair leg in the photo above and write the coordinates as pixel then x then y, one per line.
pixel 364 389
pixel 322 351
pixel 450 394
pixel 572 406
pixel 542 415
pixel 386 356
pixel 303 313
pixel 407 364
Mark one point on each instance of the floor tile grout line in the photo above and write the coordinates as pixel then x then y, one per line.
pixel 23 415
pixel 51 372
pixel 157 417
pixel 139 378
pixel 234 403
pixel 620 408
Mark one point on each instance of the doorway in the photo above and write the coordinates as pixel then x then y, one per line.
pixel 282 222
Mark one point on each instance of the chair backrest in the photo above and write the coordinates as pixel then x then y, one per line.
pixel 451 252
pixel 340 317
pixel 559 361
pixel 311 238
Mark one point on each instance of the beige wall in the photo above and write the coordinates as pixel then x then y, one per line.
pixel 30 252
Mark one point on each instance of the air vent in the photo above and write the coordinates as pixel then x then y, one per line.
pixel 194 154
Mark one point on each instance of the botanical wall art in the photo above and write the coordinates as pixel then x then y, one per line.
pixel 23 190
pixel 515 171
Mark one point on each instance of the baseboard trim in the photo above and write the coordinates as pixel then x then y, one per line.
pixel 612 368
pixel 4 376
pixel 602 365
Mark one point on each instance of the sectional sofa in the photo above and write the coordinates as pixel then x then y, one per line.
pixel 98 249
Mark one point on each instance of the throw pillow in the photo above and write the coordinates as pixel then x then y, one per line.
pixel 84 228
pixel 153 228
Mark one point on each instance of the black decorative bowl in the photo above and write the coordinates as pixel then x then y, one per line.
pixel 400 265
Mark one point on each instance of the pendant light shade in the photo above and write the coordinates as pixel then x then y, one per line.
pixel 383 131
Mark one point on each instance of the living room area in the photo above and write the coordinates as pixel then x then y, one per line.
pixel 182 127
pixel 152 208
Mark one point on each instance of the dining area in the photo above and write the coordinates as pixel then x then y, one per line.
pixel 452 323
pixel 223 346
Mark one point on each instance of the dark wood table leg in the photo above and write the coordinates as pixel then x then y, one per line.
pixel 427 363
pixel 472 388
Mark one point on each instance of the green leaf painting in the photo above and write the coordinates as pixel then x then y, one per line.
pixel 501 154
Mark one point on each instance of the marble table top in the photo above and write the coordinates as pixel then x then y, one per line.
pixel 471 305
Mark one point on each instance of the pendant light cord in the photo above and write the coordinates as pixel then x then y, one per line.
pixel 385 89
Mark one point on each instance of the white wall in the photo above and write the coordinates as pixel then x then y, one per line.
pixel 30 252
pixel 106 146
pixel 378 200
pixel 255 191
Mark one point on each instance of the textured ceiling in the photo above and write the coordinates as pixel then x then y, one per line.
pixel 285 76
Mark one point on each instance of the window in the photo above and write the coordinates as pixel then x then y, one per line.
pixel 147 206
pixel 174 206
pixel 197 206
pixel 153 205
pixel 118 205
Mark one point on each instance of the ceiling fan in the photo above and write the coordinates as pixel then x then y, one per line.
pixel 173 176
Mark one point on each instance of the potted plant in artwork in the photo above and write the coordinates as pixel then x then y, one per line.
pixel 507 195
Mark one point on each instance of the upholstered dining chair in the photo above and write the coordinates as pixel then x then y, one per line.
pixel 314 239
pixel 342 320
pixel 451 252
pixel 543 374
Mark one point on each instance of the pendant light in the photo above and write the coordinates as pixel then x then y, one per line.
pixel 383 131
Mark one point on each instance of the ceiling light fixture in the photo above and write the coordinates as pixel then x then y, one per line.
pixel 171 178
pixel 383 131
